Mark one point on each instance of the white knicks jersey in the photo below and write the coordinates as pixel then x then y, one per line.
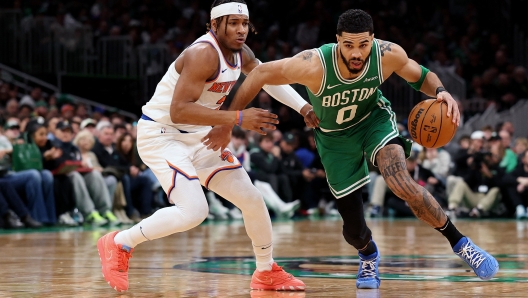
pixel 213 95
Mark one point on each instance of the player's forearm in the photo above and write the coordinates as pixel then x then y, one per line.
pixel 286 95
pixel 430 84
pixel 195 114
pixel 248 90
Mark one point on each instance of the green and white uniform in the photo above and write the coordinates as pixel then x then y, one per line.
pixel 356 120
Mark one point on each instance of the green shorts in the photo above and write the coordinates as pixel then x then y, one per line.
pixel 343 152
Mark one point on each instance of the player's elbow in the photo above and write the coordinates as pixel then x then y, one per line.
pixel 177 112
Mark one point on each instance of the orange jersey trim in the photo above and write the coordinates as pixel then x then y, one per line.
pixel 176 171
pixel 233 167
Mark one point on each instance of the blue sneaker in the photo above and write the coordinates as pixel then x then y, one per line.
pixel 483 264
pixel 368 276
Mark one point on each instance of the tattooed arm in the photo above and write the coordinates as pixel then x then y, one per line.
pixel 304 68
pixel 393 167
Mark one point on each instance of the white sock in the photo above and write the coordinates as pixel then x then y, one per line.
pixel 263 254
pixel 131 237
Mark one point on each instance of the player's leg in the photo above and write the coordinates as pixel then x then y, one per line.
pixel 347 173
pixel 358 235
pixel 189 210
pixel 387 150
pixel 166 152
pixel 391 162
pixel 235 186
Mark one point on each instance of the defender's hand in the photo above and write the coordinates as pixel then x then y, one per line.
pixel 452 106
pixel 310 118
pixel 218 137
pixel 258 119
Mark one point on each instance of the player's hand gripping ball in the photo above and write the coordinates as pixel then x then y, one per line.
pixel 429 125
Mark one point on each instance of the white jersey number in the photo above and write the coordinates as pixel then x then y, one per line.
pixel 342 112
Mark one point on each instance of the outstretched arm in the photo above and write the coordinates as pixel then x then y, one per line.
pixel 281 72
pixel 396 60
pixel 189 88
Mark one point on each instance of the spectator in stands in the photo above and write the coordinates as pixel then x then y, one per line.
pixel 63 187
pixel 317 195
pixel 119 130
pixel 137 188
pixel 479 187
pixel 85 141
pixel 11 108
pixel 12 129
pixel 36 185
pixel 438 161
pixel 76 124
pixel 52 124
pixel 520 145
pixel 89 125
pixel 12 209
pixel 298 175
pixel 91 194
pixel 67 111
pixel 268 168
pixel 81 111
pixel 141 185
pixel 41 108
pixel 239 149
pixel 25 108
pixel 507 126
pixel 506 156
pixel 516 185
pixel 463 158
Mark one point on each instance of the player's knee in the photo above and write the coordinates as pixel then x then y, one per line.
pixel 201 213
pixel 252 201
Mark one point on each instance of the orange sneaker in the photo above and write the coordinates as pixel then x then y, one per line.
pixel 275 280
pixel 114 260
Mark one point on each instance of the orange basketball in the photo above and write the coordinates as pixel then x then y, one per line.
pixel 429 125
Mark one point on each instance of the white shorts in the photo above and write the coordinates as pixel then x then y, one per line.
pixel 173 155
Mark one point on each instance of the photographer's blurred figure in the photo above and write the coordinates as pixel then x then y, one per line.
pixel 462 159
pixel 479 187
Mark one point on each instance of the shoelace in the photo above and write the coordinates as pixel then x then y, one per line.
pixel 122 261
pixel 279 268
pixel 368 268
pixel 469 253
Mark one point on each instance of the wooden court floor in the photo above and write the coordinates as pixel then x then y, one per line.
pixel 215 260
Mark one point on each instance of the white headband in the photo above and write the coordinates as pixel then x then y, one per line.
pixel 229 8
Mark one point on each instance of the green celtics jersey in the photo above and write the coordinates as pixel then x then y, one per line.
pixel 342 103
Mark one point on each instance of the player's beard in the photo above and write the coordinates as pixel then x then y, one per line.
pixel 347 62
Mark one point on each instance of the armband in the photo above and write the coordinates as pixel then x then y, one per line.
pixel 418 85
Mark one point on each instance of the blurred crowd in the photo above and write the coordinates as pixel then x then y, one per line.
pixel 457 36
pixel 64 163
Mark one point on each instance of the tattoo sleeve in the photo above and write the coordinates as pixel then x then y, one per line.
pixel 306 55
pixel 385 46
pixel 391 162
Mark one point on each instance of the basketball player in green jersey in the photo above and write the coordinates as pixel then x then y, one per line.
pixel 353 121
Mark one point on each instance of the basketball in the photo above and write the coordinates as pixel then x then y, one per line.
pixel 429 125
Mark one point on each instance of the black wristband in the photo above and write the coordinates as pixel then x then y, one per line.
pixel 440 89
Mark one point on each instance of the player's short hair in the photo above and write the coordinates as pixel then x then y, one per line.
pixel 219 19
pixel 355 21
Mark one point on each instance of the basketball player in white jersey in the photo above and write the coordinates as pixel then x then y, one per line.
pixel 172 128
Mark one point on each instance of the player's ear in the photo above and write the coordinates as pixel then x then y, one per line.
pixel 337 37
pixel 214 25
